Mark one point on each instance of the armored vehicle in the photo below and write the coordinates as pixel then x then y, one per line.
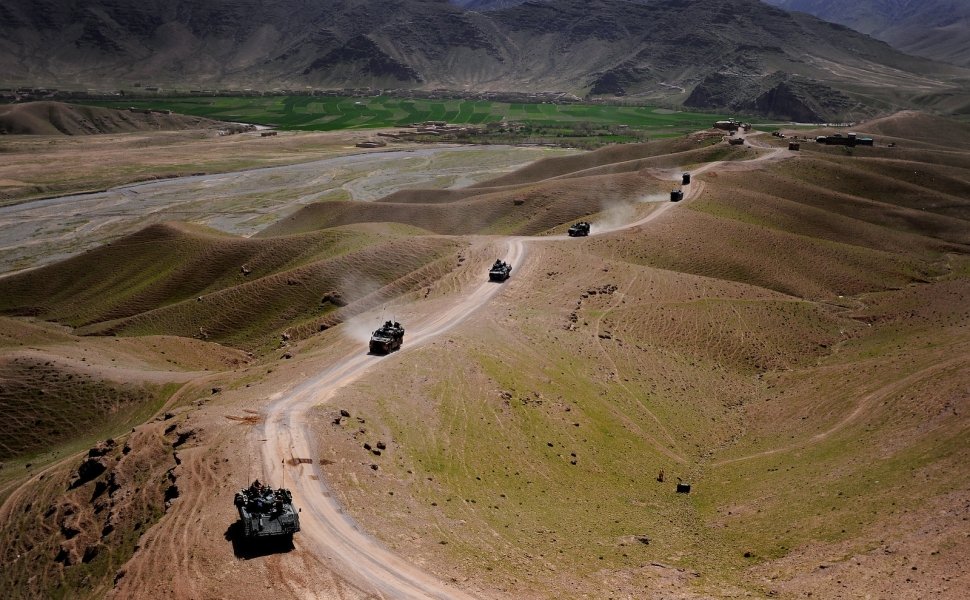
pixel 266 512
pixel 736 141
pixel 676 195
pixel 839 140
pixel 387 339
pixel 685 179
pixel 500 271
pixel 794 146
pixel 579 229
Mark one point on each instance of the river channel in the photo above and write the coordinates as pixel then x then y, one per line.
pixel 242 203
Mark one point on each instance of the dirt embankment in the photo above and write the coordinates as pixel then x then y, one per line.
pixel 59 118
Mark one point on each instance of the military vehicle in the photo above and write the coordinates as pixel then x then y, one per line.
pixel 500 271
pixel 579 229
pixel 266 512
pixel 838 139
pixel 730 125
pixel 387 338
pixel 685 179
pixel 676 195
pixel 794 146
pixel 736 141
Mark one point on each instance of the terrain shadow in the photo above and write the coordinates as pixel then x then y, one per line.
pixel 254 548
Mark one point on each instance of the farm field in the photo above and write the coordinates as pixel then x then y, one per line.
pixel 312 113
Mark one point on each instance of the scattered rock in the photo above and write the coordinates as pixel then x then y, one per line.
pixel 65 556
pixel 335 298
pixel 102 448
pixel 382 446
pixel 90 553
pixel 344 413
pixel 68 531
pixel 216 390
pixel 183 436
pixel 89 469
pixel 100 487
pixel 373 467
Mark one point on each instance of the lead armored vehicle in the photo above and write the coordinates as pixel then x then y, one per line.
pixel 266 512
pixel 387 339
pixel 500 271
pixel 579 229
pixel 676 195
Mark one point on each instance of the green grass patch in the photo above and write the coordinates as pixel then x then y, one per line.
pixel 312 113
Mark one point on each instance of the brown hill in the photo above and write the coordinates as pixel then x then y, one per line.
pixel 791 340
pixel 58 118
pixel 923 128
pixel 937 29
pixel 193 282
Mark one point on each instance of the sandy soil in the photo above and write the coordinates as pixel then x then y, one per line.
pixel 335 556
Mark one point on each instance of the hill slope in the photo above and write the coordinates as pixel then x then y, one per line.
pixel 791 339
pixel 937 29
pixel 54 118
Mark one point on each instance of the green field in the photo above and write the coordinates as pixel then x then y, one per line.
pixel 314 113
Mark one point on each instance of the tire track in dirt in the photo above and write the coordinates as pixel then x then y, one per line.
pixel 864 403
pixel 325 528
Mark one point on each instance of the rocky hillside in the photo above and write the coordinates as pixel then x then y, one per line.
pixel 937 29
pixel 660 50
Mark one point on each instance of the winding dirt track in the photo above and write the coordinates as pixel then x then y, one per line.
pixel 326 529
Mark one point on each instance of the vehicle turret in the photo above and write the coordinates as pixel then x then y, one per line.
pixel 387 338
pixel 500 271
pixel 266 512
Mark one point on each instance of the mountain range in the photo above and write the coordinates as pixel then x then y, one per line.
pixel 724 54
pixel 937 29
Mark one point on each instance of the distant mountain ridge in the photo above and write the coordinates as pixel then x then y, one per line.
pixel 724 54
pixel 937 29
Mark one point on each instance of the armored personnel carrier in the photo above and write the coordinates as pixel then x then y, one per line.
pixel 387 339
pixel 266 512
pixel 500 271
pixel 676 195
pixel 579 229
pixel 685 178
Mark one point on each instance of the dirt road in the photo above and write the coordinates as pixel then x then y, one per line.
pixel 286 434
pixel 325 527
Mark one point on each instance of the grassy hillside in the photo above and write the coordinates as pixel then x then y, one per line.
pixel 189 281
pixel 791 340
pixel 793 343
